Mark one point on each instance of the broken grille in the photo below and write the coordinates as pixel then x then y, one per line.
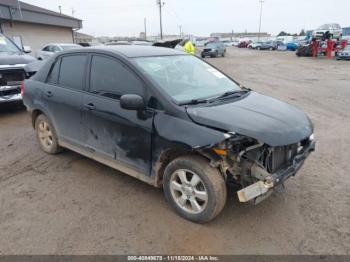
pixel 11 77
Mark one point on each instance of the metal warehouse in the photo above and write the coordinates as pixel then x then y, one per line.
pixel 29 25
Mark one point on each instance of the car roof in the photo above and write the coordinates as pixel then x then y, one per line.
pixel 131 50
pixel 62 44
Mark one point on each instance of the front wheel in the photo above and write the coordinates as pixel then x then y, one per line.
pixel 194 189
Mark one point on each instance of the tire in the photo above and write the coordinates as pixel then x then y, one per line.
pixel 203 56
pixel 182 193
pixel 46 135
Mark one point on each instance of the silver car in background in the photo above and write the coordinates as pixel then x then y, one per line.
pixel 335 31
pixel 50 49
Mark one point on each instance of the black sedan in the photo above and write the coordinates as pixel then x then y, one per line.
pixel 171 120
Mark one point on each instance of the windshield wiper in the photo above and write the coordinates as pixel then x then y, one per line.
pixel 236 93
pixel 194 102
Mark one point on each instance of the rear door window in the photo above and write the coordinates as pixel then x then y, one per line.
pixel 72 71
pixel 111 78
pixel 53 75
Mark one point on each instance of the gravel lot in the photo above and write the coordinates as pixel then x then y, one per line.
pixel 68 204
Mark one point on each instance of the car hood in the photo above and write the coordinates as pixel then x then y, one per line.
pixel 257 116
pixel 15 58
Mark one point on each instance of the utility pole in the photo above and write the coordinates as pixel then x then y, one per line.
pixel 145 24
pixel 73 11
pixel 261 7
pixel 160 4
pixel 232 36
pixel 180 27
pixel 60 8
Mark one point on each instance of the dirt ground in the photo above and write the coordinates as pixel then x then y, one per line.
pixel 68 204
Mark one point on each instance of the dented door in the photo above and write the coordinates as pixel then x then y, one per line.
pixel 110 131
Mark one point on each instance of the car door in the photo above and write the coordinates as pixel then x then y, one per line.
pixel 63 94
pixel 119 135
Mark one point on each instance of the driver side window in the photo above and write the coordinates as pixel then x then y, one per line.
pixel 110 78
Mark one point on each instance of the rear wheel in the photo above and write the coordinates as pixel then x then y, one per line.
pixel 46 135
pixel 194 189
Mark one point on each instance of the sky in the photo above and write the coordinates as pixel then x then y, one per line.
pixel 200 17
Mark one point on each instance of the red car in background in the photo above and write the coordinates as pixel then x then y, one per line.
pixel 244 44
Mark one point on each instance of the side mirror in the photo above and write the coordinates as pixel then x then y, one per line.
pixel 27 49
pixel 132 102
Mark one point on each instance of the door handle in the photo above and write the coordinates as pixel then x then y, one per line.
pixel 89 106
pixel 49 93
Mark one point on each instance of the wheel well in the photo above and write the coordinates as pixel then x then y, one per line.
pixel 166 157
pixel 35 114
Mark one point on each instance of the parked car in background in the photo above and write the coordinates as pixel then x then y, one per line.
pixel 227 42
pixel 214 49
pixel 50 49
pixel 344 54
pixel 254 45
pixel 170 120
pixel 12 63
pixel 244 44
pixel 282 47
pixel 142 42
pixel 122 42
pixel 88 44
pixel 269 45
pixel 292 46
pixel 235 43
pixel 334 30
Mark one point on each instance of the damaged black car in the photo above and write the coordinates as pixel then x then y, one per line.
pixel 171 120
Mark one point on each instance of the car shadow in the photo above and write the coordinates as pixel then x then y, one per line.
pixel 10 108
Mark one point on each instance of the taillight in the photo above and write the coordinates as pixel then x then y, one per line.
pixel 22 88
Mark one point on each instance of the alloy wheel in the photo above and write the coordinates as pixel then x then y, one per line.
pixel 188 191
pixel 45 134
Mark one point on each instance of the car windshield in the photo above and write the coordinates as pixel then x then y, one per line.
pixel 67 47
pixel 7 46
pixel 211 45
pixel 185 77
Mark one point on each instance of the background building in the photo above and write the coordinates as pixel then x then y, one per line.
pixel 29 25
pixel 83 38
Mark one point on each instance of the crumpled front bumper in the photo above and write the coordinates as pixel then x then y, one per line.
pixel 9 94
pixel 262 188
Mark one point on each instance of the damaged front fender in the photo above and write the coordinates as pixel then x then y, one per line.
pixel 174 136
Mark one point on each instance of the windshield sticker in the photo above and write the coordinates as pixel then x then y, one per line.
pixel 2 40
pixel 216 73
